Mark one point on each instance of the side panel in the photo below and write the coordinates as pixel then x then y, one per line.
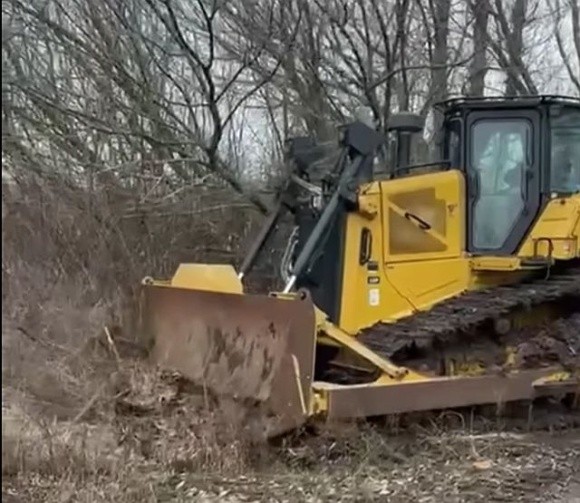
pixel 424 217
pixel 416 255
pixel 367 296
pixel 424 229
pixel 556 232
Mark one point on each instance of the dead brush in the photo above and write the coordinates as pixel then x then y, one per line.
pixel 71 261
pixel 178 428
pixel 44 350
pixel 32 445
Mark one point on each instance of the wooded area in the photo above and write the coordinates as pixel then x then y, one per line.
pixel 141 134
pixel 148 92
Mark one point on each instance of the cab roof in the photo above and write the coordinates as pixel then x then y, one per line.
pixel 505 102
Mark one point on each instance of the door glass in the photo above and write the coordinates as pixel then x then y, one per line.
pixel 565 158
pixel 500 153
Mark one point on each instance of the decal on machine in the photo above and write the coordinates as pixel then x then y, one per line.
pixel 374 297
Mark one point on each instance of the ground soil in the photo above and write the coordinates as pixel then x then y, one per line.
pixel 158 447
pixel 455 467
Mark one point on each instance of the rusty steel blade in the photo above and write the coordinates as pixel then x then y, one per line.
pixel 242 346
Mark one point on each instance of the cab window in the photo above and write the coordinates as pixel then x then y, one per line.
pixel 565 152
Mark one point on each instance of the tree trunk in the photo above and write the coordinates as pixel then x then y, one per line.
pixel 478 70
pixel 440 10
pixel 516 45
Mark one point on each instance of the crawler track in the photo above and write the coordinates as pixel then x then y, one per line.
pixel 465 319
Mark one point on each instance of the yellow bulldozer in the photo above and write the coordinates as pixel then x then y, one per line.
pixel 407 287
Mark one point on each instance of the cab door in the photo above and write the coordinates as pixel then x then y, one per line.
pixel 503 179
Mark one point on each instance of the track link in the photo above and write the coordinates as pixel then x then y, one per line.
pixel 463 318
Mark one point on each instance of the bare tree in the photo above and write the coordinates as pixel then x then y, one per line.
pixel 170 89
pixel 508 44
pixel 569 52
pixel 478 69
pixel 156 80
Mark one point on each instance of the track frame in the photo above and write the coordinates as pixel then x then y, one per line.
pixel 403 390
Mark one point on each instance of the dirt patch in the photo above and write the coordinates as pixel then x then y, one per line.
pixel 453 467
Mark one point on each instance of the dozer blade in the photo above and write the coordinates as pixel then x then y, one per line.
pixel 255 349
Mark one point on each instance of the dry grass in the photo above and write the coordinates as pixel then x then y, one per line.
pixel 165 447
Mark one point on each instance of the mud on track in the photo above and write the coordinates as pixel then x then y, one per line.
pixel 471 316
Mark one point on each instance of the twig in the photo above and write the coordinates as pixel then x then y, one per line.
pixel 112 345
pixel 491 435
pixel 152 489
pixel 90 403
pixel 42 342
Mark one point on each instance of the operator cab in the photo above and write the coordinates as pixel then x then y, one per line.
pixel 517 154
